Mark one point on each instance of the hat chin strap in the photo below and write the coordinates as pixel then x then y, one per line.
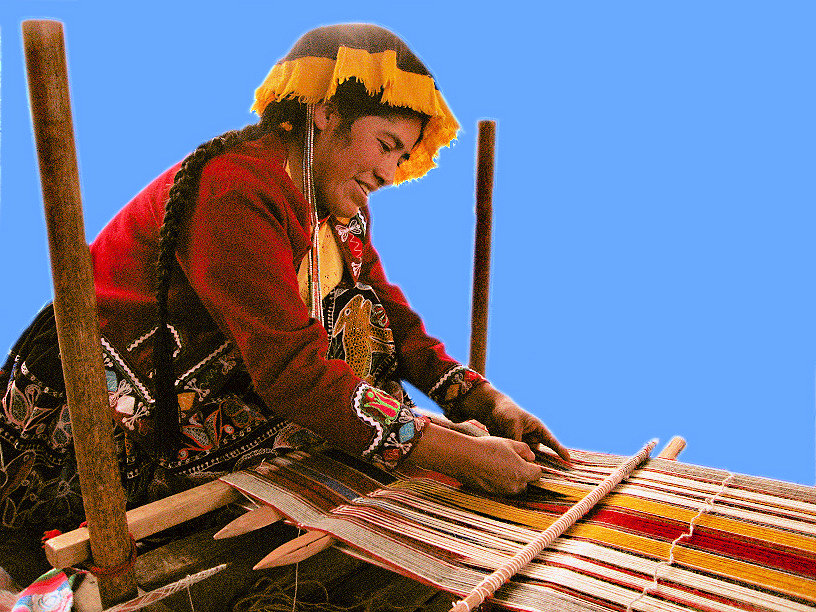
pixel 315 306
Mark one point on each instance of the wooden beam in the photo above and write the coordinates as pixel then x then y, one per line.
pixel 75 308
pixel 73 547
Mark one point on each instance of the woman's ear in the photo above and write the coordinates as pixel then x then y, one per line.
pixel 326 116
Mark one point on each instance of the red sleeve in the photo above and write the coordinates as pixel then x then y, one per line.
pixel 239 249
pixel 423 360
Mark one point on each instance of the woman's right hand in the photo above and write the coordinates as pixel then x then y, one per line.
pixel 491 464
pixel 498 465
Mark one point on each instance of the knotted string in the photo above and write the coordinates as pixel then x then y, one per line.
pixel 707 506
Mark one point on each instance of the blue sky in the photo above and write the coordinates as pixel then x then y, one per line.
pixel 654 201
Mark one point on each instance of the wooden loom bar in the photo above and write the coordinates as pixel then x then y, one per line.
pixel 673 448
pixel 75 307
pixel 481 257
pixel 490 584
pixel 73 547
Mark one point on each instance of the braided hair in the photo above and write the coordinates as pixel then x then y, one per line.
pixel 182 195
pixel 287 118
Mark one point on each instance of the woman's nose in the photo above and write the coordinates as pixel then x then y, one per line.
pixel 384 172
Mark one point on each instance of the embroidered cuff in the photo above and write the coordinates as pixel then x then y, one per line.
pixel 454 385
pixel 396 428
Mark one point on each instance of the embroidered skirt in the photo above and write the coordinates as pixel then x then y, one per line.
pixel 225 428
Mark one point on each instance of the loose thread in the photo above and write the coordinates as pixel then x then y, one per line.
pixel 294 594
pixel 707 506
pixel 190 594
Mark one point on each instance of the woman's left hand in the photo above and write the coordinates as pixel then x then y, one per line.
pixel 503 417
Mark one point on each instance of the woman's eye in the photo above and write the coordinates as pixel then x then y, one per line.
pixel 386 148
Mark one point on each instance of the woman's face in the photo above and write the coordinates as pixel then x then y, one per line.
pixel 349 165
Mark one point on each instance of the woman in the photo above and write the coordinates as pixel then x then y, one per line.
pixel 273 320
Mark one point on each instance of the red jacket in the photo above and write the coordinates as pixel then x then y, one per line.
pixel 236 280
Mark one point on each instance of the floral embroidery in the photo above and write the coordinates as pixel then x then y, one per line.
pixel 397 428
pixel 350 239
pixel 386 405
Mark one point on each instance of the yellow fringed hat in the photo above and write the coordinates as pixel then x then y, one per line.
pixel 327 56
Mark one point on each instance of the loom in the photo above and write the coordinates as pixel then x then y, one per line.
pixel 673 537
pixel 752 544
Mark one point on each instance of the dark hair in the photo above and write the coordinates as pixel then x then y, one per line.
pixel 287 119
pixel 352 101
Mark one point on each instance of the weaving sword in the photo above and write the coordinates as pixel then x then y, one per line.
pixel 490 584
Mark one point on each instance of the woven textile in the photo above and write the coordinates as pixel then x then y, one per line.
pixel 752 547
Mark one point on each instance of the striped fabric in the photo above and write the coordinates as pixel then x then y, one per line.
pixel 752 547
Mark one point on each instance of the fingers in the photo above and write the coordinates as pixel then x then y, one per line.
pixel 529 471
pixel 550 441
pixel 539 434
pixel 523 450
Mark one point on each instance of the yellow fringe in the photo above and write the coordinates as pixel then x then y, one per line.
pixel 314 79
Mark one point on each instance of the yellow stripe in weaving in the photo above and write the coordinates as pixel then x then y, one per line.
pixel 684 515
pixel 729 568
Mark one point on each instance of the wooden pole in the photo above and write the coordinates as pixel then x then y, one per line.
pixel 673 448
pixel 75 307
pixel 481 257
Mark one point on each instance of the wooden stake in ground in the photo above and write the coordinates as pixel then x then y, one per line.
pixel 75 307
pixel 481 257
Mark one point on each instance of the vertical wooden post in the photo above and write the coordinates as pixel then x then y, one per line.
pixel 481 257
pixel 75 307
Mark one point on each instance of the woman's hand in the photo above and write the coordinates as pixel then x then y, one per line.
pixel 492 464
pixel 503 417
pixel 499 465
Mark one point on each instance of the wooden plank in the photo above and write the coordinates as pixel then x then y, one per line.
pixel 73 547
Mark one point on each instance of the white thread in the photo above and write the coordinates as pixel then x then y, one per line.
pixel 190 595
pixel 294 595
pixel 315 295
pixel 707 506
pixel 153 596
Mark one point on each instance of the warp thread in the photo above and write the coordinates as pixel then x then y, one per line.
pixel 707 506
pixel 492 583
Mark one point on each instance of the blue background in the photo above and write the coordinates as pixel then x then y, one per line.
pixel 654 201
